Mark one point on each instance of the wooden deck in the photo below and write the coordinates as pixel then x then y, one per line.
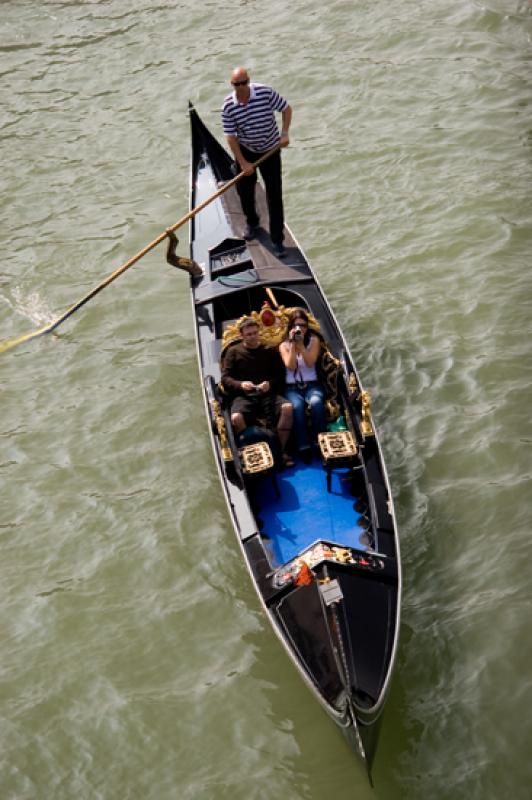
pixel 267 266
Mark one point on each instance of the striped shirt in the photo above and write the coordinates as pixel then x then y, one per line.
pixel 254 123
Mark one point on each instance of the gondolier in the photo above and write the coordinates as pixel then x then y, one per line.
pixel 251 130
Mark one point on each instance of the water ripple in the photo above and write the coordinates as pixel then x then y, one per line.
pixel 134 642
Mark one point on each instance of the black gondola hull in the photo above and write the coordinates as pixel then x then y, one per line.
pixel 340 626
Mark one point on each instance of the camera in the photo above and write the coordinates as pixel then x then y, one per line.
pixel 298 333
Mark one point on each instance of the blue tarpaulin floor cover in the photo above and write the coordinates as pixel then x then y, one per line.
pixel 306 511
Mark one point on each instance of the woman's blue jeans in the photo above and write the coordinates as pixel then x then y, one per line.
pixel 313 395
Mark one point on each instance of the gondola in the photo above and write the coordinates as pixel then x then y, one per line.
pixel 319 539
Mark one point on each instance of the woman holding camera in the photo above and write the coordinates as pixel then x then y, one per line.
pixel 300 351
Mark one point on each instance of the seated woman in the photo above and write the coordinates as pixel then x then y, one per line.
pixel 300 351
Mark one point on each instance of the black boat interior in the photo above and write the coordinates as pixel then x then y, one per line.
pixel 306 502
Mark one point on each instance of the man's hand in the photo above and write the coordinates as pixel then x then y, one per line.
pixel 247 386
pixel 264 387
pixel 284 140
pixel 246 167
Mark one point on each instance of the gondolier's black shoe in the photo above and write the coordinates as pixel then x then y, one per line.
pixel 250 232
pixel 279 250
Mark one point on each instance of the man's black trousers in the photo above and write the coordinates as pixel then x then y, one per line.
pixel 271 172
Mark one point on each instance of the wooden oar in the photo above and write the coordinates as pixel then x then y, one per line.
pixel 51 326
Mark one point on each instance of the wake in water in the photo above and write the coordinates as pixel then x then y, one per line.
pixel 32 306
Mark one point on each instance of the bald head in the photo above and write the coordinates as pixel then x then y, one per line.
pixel 239 76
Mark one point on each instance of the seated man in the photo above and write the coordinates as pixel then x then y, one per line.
pixel 252 373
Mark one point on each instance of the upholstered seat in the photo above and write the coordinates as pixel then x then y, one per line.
pixel 338 449
pixel 257 462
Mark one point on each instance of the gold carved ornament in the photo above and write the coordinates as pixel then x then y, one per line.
pixel 220 428
pixel 272 325
pixel 366 426
pixel 329 368
pixel 352 384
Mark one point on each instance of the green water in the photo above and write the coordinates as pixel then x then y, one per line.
pixel 136 661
